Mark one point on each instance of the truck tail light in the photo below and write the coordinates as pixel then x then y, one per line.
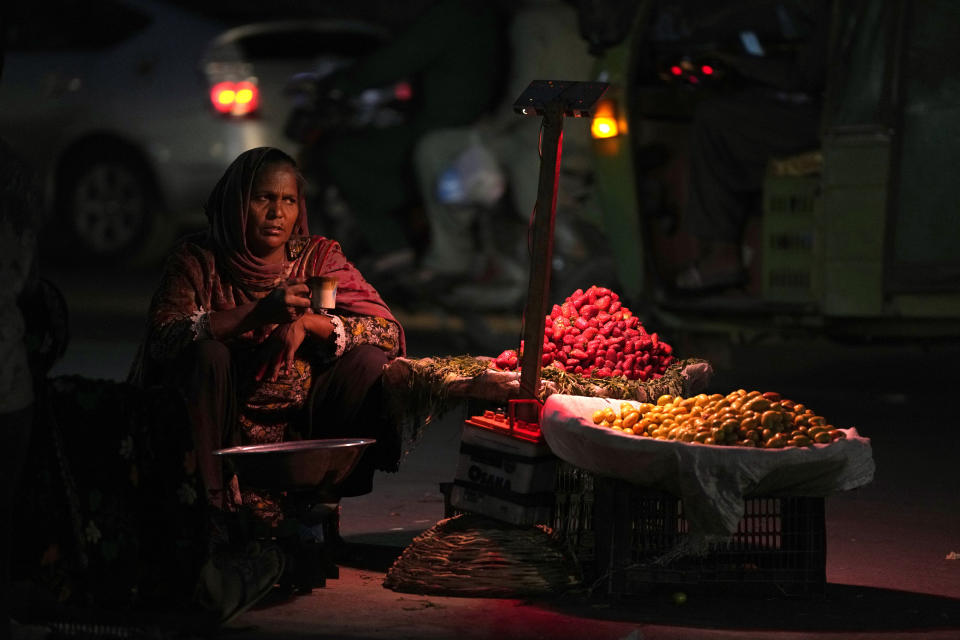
pixel 605 123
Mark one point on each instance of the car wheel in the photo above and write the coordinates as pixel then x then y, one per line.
pixel 107 204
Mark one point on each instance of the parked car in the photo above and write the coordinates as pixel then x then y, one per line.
pixel 131 109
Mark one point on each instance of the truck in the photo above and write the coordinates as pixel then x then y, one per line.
pixel 853 238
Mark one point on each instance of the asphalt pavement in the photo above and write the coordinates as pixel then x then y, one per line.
pixel 891 545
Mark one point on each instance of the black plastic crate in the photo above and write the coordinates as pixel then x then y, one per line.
pixel 779 546
pixel 573 516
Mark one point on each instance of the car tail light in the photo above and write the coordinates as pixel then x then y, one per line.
pixel 605 123
pixel 235 98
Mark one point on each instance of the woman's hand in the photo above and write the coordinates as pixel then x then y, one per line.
pixel 286 303
pixel 280 348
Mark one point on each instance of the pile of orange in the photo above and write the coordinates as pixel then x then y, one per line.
pixel 740 418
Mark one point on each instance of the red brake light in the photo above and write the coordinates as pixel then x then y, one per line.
pixel 222 96
pixel 403 91
pixel 235 98
pixel 676 70
pixel 707 70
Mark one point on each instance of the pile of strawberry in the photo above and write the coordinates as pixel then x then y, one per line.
pixel 594 335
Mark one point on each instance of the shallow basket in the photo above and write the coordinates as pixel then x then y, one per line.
pixel 476 556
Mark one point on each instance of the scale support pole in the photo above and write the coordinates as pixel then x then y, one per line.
pixel 553 100
pixel 534 314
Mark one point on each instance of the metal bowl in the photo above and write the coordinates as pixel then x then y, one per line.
pixel 315 465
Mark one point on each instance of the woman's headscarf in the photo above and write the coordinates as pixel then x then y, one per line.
pixel 226 211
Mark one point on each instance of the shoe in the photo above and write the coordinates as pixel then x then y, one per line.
pixel 230 583
pixel 502 287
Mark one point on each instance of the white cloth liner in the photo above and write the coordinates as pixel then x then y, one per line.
pixel 711 480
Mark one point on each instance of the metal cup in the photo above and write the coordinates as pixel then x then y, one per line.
pixel 323 293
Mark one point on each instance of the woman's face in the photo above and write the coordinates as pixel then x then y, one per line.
pixel 273 211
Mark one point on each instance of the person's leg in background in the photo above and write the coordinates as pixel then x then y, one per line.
pixel 451 248
pixel 732 139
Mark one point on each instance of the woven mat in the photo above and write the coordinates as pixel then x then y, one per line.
pixel 475 556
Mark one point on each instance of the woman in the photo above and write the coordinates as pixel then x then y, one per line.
pixel 231 325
